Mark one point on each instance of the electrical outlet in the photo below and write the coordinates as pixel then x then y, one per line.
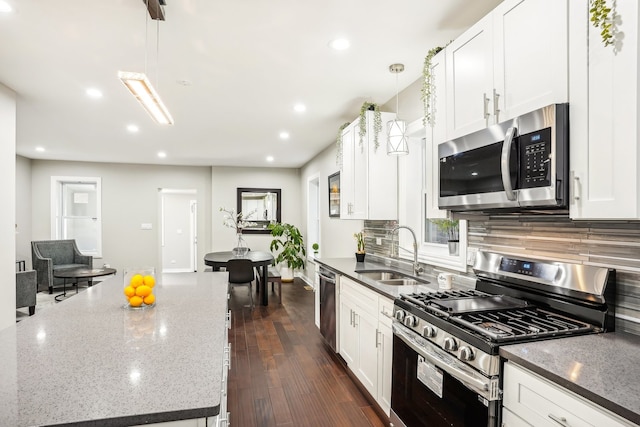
pixel 378 240
pixel 471 256
pixel 146 226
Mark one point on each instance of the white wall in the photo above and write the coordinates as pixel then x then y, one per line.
pixel 129 198
pixel 224 184
pixel 8 214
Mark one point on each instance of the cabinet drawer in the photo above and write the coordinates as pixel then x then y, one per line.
pixel 366 300
pixel 543 403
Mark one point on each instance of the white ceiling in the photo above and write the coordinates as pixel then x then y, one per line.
pixel 247 62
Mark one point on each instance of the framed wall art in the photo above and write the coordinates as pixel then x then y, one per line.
pixel 334 195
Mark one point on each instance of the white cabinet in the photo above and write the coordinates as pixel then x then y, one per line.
pixel 365 192
pixel 503 67
pixel 366 338
pixel 604 111
pixel 531 400
pixel 436 133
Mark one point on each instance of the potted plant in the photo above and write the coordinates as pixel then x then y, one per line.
pixel 315 248
pixel 450 228
pixel 289 241
pixel 238 221
pixel 377 123
pixel 360 253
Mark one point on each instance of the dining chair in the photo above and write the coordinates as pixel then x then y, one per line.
pixel 241 273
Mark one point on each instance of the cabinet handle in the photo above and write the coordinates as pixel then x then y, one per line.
pixel 486 100
pixel 560 420
pixel 355 317
pixel 575 188
pixel 351 317
pixel 229 319
pixel 377 340
pixel 496 110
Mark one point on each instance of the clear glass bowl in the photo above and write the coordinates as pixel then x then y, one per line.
pixel 140 287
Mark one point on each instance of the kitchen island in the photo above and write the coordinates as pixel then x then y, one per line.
pixel 88 361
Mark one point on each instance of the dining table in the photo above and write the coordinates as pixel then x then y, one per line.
pixel 261 260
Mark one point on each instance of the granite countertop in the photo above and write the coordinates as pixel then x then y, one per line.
pixel 89 361
pixel 349 266
pixel 602 368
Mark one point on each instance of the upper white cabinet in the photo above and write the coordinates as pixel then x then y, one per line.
pixel 604 112
pixel 504 65
pixel 369 181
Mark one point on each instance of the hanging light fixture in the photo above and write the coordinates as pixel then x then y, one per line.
pixel 397 144
pixel 140 86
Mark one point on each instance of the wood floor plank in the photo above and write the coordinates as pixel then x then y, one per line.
pixel 283 374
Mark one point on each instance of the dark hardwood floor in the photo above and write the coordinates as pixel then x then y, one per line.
pixel 282 374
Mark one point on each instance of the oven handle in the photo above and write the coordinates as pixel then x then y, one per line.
pixel 476 382
pixel 328 279
pixel 504 163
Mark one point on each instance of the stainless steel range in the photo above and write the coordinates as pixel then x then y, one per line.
pixel 446 367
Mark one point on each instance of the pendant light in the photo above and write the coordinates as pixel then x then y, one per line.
pixel 138 83
pixel 397 144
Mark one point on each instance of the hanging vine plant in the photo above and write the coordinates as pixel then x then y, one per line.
pixel 339 145
pixel 377 123
pixel 427 85
pixel 600 19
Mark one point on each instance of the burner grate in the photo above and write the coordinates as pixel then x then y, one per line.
pixel 517 323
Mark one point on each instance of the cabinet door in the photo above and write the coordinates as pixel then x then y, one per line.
pixel 360 154
pixel 509 419
pixel 348 333
pixel 346 176
pixel 470 79
pixel 385 355
pixel 604 118
pixel 530 66
pixel 367 364
pixel 436 133
pixel 382 174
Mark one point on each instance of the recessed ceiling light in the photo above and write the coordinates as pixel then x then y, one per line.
pixel 40 149
pixel 94 93
pixel 284 135
pixel 133 128
pixel 162 154
pixel 5 7
pixel 299 108
pixel 269 158
pixel 339 44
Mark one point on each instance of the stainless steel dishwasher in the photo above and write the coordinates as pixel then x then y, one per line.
pixel 328 305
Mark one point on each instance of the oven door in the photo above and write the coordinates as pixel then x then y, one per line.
pixel 432 388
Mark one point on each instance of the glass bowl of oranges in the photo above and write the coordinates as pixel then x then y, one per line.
pixel 139 287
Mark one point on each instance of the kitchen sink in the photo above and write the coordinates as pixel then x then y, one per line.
pixel 390 277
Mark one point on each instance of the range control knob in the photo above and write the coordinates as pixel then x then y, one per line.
pixel 410 321
pixel 429 331
pixel 466 353
pixel 400 315
pixel 450 344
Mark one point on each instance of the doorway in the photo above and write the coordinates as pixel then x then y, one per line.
pixel 178 230
pixel 313 213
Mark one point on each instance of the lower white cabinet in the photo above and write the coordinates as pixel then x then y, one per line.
pixel 531 400
pixel 366 338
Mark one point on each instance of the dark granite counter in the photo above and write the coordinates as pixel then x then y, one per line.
pixel 602 368
pixel 88 361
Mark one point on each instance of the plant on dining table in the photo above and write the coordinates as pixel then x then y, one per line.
pixel 237 221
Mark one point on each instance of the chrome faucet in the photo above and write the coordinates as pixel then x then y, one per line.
pixel 417 269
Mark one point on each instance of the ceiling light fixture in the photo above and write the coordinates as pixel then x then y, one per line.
pixel 40 149
pixel 133 128
pixel 162 154
pixel 299 108
pixel 397 144
pixel 141 88
pixel 5 7
pixel 284 135
pixel 94 93
pixel 339 44
pixel 269 158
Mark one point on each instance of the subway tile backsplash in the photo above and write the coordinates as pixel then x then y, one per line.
pixel 610 244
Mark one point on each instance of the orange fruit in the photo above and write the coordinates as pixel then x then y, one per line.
pixel 136 281
pixel 149 299
pixel 135 301
pixel 143 291
pixel 129 291
pixel 149 280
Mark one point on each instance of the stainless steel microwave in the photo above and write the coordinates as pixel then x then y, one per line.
pixel 522 163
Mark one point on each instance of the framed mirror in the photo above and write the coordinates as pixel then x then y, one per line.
pixel 264 203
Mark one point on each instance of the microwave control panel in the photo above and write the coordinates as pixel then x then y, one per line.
pixel 535 159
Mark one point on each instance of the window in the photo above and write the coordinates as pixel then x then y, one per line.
pixel 415 210
pixel 76 212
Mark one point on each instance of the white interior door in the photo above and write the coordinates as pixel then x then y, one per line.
pixel 178 230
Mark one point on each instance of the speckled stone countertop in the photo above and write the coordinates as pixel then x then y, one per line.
pixel 349 267
pixel 88 361
pixel 602 368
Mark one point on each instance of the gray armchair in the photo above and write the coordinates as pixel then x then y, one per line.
pixel 50 255
pixel 26 288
